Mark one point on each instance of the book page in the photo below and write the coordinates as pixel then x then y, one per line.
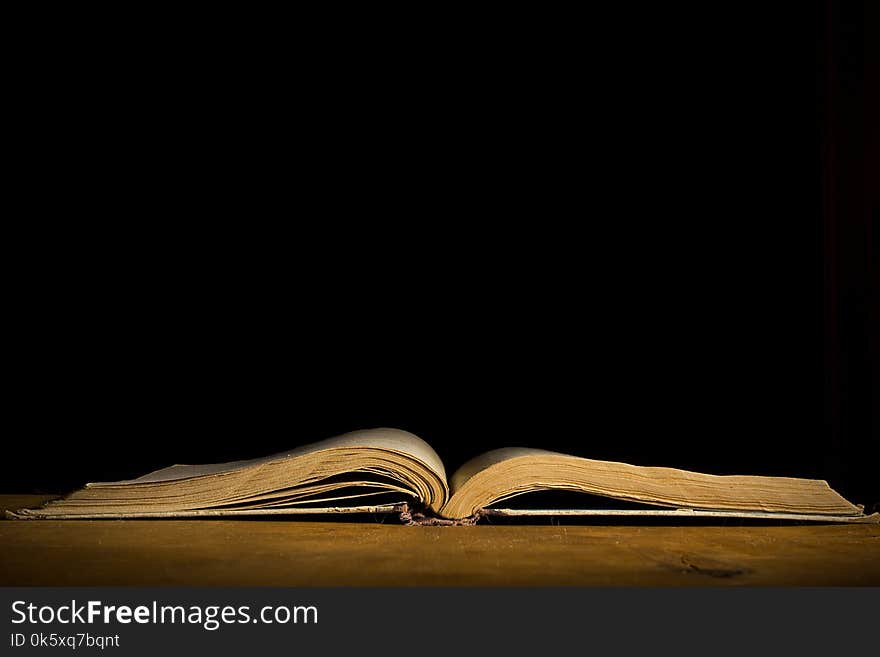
pixel 504 473
pixel 394 440
pixel 386 467
pixel 483 461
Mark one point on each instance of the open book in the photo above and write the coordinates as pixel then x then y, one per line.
pixel 389 470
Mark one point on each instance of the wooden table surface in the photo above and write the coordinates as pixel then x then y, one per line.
pixel 296 553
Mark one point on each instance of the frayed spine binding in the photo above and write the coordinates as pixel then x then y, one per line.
pixel 413 518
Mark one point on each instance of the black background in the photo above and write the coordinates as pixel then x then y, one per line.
pixel 607 237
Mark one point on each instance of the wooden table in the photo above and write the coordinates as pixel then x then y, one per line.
pixel 295 553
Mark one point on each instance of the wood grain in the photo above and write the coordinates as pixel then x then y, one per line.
pixel 297 553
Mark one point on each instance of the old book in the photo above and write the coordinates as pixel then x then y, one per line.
pixel 389 470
